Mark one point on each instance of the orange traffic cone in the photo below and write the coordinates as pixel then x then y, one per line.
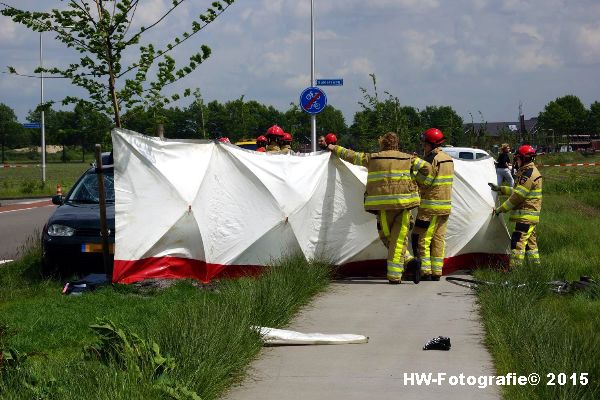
pixel 59 189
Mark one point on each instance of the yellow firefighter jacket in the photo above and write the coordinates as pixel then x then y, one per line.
pixel 391 180
pixel 286 149
pixel 273 148
pixel 436 190
pixel 525 201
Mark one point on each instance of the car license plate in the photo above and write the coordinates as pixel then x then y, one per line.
pixel 96 248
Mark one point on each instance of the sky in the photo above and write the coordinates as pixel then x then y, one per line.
pixel 482 57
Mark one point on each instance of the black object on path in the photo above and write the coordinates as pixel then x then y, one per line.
pixel 438 343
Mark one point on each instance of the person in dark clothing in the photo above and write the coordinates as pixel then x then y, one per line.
pixel 503 172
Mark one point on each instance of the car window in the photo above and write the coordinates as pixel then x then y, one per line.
pixel 465 155
pixel 86 190
pixel 480 155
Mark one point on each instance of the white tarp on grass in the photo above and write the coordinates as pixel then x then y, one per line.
pixel 199 209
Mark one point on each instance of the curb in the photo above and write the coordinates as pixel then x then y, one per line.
pixel 13 200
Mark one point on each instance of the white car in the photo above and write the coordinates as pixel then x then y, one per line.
pixel 465 153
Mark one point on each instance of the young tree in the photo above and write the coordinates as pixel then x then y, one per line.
pixel 100 31
pixel 378 117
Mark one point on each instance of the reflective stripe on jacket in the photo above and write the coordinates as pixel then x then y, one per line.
pixel 436 189
pixel 392 177
pixel 525 201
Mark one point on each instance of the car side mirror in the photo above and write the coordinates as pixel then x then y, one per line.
pixel 58 199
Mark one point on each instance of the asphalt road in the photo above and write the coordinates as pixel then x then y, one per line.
pixel 18 225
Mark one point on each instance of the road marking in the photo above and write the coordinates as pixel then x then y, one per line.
pixel 23 207
pixel 28 208
pixel 5 261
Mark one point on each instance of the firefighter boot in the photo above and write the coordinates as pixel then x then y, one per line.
pixel 414 266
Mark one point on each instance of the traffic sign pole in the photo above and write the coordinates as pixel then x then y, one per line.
pixel 42 111
pixel 313 117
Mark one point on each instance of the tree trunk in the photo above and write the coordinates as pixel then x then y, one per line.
pixel 111 86
pixel 111 73
pixel 160 131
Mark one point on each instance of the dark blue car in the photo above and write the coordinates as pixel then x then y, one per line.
pixel 71 240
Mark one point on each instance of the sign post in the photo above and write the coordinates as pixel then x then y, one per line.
pixel 313 117
pixel 42 112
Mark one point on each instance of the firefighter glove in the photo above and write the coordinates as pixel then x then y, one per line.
pixel 494 187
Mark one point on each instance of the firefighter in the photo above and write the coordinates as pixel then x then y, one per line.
pixel 428 235
pixel 286 143
pixel 322 143
pixel 391 193
pixel 261 143
pixel 524 204
pixel 274 135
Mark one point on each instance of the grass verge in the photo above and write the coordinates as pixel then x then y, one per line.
pixel 188 341
pixel 21 182
pixel 532 330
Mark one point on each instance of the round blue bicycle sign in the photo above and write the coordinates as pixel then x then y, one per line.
pixel 313 100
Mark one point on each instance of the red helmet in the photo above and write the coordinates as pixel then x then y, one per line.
pixel 433 136
pixel 275 130
pixel 526 151
pixel 330 138
pixel 261 139
pixel 287 137
pixel 261 150
pixel 224 139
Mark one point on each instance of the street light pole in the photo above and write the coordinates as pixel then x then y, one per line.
pixel 313 117
pixel 42 112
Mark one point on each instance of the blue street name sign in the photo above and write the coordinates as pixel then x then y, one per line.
pixel 313 100
pixel 330 82
pixel 33 125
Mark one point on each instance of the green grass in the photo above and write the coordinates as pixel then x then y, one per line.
pixel 563 158
pixel 205 329
pixel 571 179
pixel 23 182
pixel 530 329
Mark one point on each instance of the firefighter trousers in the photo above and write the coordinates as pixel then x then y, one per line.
pixel 429 242
pixel 523 242
pixel 393 227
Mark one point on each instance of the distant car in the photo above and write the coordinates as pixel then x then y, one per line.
pixel 247 144
pixel 465 153
pixel 71 241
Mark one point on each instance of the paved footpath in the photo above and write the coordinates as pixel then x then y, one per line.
pixel 399 320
